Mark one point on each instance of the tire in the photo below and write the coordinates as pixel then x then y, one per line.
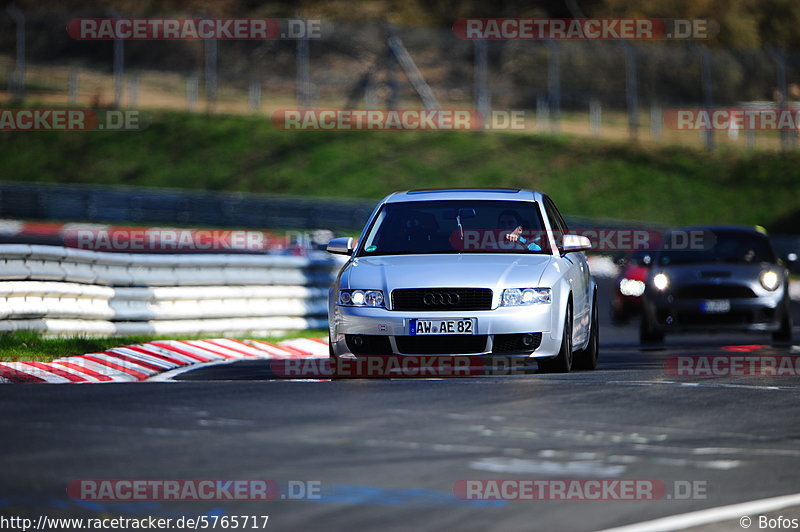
pixel 333 360
pixel 562 363
pixel 647 333
pixel 587 358
pixel 783 336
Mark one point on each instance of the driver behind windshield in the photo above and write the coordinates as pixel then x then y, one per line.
pixel 510 220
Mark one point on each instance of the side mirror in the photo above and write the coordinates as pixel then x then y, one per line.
pixel 576 243
pixel 342 246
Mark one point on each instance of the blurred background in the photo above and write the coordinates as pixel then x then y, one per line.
pixel 593 110
pixel 608 89
pixel 208 156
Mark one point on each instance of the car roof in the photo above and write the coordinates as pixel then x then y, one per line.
pixel 722 228
pixel 486 193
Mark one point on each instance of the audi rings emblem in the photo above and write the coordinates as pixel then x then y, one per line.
pixel 433 299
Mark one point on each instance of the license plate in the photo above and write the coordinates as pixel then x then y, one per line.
pixel 450 326
pixel 716 306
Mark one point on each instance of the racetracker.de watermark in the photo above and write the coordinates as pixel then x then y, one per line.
pixel 386 366
pixel 377 119
pixel 592 489
pixel 601 239
pixel 730 365
pixel 123 239
pixel 769 119
pixel 71 120
pixel 193 490
pixel 582 29
pixel 182 29
pixel 400 120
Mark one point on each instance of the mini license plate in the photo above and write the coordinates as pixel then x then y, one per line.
pixel 716 306
pixel 448 326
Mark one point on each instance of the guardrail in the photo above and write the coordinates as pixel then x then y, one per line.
pixel 142 205
pixel 59 290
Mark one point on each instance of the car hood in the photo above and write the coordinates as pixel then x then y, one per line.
pixel 452 271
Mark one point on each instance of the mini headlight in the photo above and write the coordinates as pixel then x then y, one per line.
pixel 513 297
pixel 361 298
pixel 769 280
pixel 661 281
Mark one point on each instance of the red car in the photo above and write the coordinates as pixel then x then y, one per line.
pixel 629 286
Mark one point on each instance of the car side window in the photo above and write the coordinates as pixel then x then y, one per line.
pixel 556 222
pixel 561 220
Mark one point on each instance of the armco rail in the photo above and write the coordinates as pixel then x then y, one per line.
pixel 143 361
pixel 66 291
pixel 140 205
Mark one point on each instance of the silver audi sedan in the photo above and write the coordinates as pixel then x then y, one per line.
pixel 490 272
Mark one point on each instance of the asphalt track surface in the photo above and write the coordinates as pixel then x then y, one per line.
pixel 388 453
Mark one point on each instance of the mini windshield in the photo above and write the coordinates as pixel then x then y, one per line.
pixel 456 226
pixel 718 246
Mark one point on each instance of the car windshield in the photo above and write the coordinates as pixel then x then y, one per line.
pixel 456 226
pixel 717 246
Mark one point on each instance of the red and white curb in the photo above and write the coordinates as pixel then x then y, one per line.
pixel 142 361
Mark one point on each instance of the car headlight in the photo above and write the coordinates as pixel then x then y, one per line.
pixel 661 281
pixel 769 280
pixel 361 298
pixel 513 297
pixel 631 287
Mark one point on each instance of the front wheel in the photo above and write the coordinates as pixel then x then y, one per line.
pixel 562 362
pixel 587 358
pixel 783 336
pixel 647 333
pixel 333 360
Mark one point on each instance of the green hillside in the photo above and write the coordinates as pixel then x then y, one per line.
pixel 586 177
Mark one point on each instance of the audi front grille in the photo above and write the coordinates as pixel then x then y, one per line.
pixel 433 299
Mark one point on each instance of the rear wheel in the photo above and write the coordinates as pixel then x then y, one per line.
pixel 587 358
pixel 562 363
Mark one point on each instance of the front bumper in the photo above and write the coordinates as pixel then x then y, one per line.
pixel 387 332
pixel 762 314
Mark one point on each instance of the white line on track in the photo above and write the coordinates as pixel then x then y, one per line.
pixel 701 385
pixel 711 515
